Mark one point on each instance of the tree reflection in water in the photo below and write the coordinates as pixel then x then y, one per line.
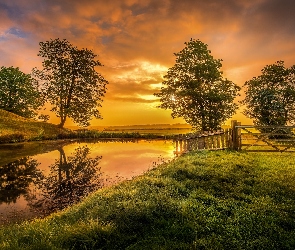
pixel 16 177
pixel 70 179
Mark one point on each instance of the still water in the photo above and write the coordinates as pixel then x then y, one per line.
pixel 36 180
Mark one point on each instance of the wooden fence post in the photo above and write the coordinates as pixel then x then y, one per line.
pixel 222 139
pixel 218 141
pixel 236 134
pixel 201 142
pixel 177 146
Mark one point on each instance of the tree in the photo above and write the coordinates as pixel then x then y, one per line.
pixel 195 90
pixel 270 97
pixel 70 82
pixel 19 92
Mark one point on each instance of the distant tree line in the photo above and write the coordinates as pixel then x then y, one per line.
pixel 194 88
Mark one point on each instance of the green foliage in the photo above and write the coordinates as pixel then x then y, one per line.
pixel 43 117
pixel 270 97
pixel 203 200
pixel 70 81
pixel 19 92
pixel 195 90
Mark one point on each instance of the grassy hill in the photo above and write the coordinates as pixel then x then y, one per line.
pixel 14 128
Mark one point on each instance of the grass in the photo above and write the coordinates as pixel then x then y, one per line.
pixel 203 200
pixel 14 128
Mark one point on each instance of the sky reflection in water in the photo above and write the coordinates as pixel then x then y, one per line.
pixel 64 180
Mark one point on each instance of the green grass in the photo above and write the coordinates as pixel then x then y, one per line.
pixel 204 200
pixel 14 128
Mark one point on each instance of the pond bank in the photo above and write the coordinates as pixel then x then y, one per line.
pixel 40 178
pixel 203 200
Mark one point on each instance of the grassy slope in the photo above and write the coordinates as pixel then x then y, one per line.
pixel 14 128
pixel 207 200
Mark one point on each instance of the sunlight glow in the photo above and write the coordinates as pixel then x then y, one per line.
pixel 141 71
pixel 148 97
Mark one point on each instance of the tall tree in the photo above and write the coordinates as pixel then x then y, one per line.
pixel 195 90
pixel 70 81
pixel 270 97
pixel 19 92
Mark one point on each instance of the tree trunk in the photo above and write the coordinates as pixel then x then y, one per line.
pixel 62 122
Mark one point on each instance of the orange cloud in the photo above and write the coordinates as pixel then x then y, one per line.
pixel 135 40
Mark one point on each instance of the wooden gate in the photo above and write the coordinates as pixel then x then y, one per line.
pixel 263 138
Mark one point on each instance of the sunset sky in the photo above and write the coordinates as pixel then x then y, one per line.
pixel 136 39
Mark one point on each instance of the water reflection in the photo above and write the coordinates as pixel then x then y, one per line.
pixel 16 177
pixel 37 185
pixel 70 179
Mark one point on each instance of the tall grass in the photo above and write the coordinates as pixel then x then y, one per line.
pixel 203 200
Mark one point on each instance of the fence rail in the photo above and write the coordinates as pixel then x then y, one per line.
pixel 239 137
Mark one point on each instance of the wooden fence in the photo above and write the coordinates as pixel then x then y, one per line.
pixel 239 137
pixel 214 140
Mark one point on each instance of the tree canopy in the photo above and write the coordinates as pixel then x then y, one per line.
pixel 70 81
pixel 19 92
pixel 195 90
pixel 270 97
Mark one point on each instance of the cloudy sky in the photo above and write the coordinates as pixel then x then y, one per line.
pixel 136 39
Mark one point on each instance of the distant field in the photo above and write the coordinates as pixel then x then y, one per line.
pixel 157 129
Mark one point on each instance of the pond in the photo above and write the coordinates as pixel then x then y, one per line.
pixel 39 178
